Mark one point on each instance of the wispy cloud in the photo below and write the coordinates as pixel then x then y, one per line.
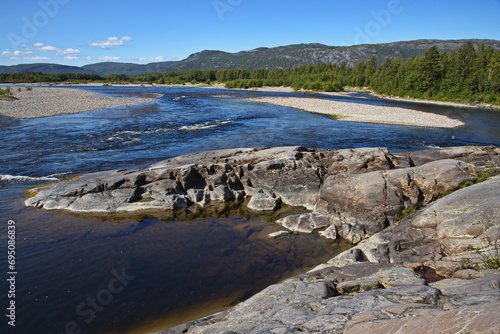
pixel 39 51
pixel 47 48
pixel 151 59
pixel 110 42
pixel 108 58
pixel 68 51
pixel 16 54
pixel 36 58
pixel 60 52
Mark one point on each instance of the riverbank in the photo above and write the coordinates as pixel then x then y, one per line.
pixel 355 112
pixel 434 102
pixel 352 91
pixel 51 101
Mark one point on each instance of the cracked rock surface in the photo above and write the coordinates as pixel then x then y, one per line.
pixel 419 260
pixel 366 290
pixel 375 302
pixel 351 194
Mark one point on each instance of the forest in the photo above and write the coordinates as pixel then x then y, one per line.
pixel 468 74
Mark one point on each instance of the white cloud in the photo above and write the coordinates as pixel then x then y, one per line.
pixel 108 58
pixel 38 52
pixel 151 59
pixel 36 58
pixel 68 51
pixel 15 54
pixel 47 48
pixel 60 52
pixel 110 42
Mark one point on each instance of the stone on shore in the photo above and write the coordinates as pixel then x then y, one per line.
pixel 374 179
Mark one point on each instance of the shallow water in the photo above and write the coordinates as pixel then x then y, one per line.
pixel 170 270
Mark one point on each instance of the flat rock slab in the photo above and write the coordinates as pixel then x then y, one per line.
pixel 314 303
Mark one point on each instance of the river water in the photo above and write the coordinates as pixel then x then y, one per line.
pixel 138 274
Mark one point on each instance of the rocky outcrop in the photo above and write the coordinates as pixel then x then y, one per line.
pixel 364 298
pixel 391 205
pixel 383 284
pixel 351 194
pixel 453 233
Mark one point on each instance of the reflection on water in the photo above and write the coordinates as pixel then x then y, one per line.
pixel 143 273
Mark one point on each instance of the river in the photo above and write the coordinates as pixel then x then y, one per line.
pixel 138 274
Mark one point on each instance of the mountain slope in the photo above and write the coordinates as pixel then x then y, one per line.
pixel 44 68
pixel 109 68
pixel 270 58
pixel 309 54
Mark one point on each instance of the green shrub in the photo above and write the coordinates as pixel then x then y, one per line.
pixel 491 261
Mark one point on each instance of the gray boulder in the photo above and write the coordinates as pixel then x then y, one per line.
pixel 374 200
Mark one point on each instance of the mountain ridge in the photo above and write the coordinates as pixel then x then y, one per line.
pixel 288 56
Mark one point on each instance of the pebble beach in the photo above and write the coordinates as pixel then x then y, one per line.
pixel 364 113
pixel 51 101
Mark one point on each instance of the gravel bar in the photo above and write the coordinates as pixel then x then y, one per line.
pixel 364 113
pixel 51 101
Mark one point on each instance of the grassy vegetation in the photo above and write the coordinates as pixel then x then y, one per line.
pixel 492 261
pixel 481 177
pixel 6 94
pixel 409 211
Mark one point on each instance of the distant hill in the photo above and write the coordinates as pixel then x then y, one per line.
pixel 42 67
pixel 103 69
pixel 269 58
pixel 131 69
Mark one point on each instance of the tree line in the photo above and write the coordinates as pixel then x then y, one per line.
pixel 467 74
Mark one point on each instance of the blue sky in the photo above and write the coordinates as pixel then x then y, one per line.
pixel 79 32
